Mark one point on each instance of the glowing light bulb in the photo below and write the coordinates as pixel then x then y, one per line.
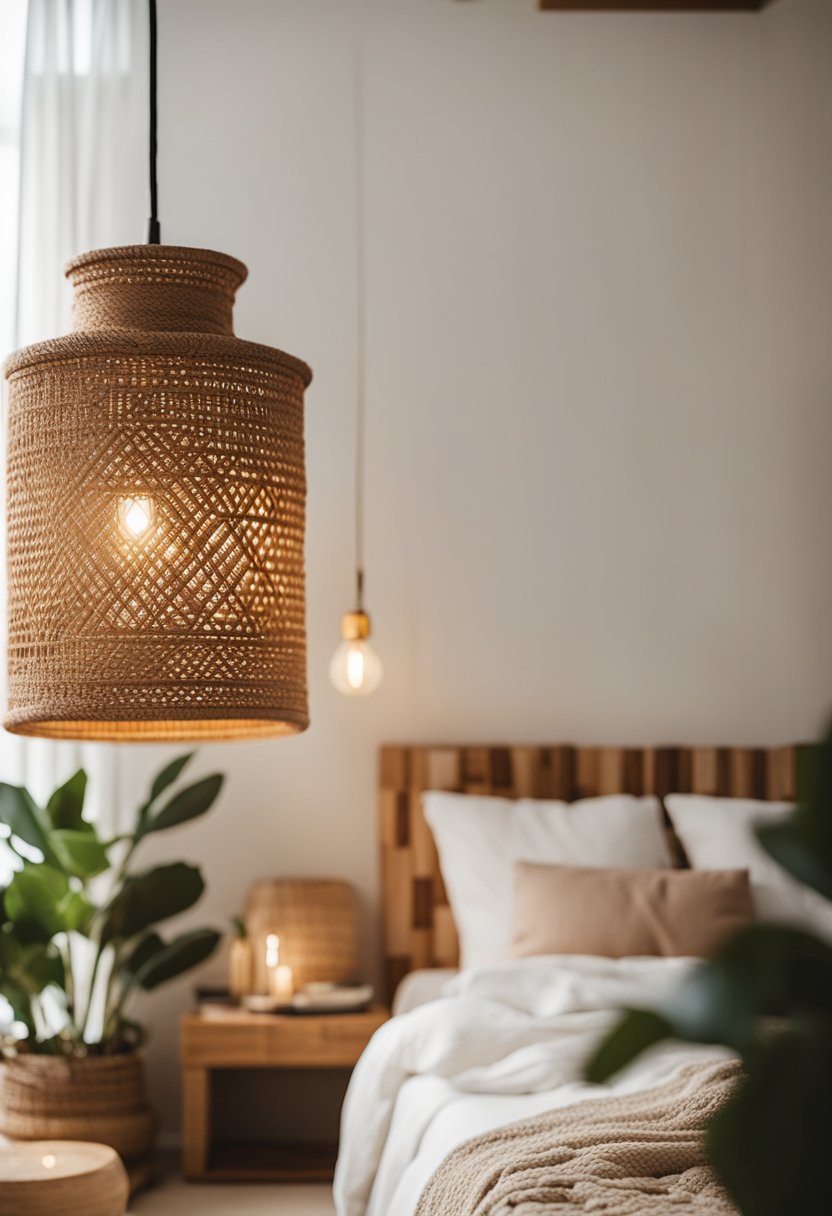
pixel 356 669
pixel 136 516
pixel 272 950
pixel 49 1161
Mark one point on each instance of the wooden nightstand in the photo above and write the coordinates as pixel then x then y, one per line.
pixel 235 1039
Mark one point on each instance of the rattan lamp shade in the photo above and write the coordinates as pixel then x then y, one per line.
pixel 156 503
pixel 316 920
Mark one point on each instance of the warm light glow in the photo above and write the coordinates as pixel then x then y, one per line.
pixel 281 982
pixel 356 669
pixel 49 1161
pixel 136 515
pixel 279 978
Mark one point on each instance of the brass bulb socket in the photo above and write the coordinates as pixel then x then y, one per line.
pixel 355 626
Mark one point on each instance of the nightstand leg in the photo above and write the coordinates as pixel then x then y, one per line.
pixel 196 1121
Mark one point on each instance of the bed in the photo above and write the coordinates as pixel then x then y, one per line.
pixel 482 1066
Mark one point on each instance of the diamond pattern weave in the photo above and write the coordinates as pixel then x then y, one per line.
pixel 192 625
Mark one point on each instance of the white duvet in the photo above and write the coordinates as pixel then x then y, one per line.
pixel 501 1044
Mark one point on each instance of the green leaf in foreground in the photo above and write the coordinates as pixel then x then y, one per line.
pixel 637 1030
pixel 770 1143
pixel 795 846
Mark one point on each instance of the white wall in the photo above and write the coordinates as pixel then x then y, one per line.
pixel 600 285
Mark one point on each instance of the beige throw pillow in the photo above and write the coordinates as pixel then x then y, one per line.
pixel 619 913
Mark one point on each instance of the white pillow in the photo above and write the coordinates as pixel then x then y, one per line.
pixel 480 838
pixel 717 834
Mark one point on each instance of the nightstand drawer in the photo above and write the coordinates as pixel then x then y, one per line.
pixel 263 1040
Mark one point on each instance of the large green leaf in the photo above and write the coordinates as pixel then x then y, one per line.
pixel 20 813
pixel 637 1030
pixel 150 897
pixel 40 903
pixel 35 894
pixel 168 775
pixel 64 809
pixel 764 971
pixel 30 967
pixel 42 966
pixel 711 1007
pixel 189 803
pixel 802 844
pixel 770 1143
pixel 176 957
pixel 798 846
pixel 20 1002
pixel 77 913
pixel 80 853
pixel 147 947
pixel 28 931
pixel 814 778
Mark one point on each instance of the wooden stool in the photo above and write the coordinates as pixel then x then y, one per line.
pixel 70 1177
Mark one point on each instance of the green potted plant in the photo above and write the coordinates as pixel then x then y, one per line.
pixel 78 941
pixel 768 996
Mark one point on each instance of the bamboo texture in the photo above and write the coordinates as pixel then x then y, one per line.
pixel 99 1099
pixel 48 1177
pixel 316 921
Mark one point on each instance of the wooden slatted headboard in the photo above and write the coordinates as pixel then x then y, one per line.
pixel 419 930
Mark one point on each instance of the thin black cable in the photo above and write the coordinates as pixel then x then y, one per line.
pixel 154 232
pixel 361 320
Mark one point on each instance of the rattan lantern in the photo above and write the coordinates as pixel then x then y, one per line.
pixel 156 501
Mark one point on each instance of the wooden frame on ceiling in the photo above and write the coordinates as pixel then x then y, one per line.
pixel 653 6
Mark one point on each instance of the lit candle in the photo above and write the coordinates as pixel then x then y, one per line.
pixel 279 975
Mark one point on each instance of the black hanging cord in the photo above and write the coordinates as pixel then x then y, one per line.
pixel 154 232
pixel 361 320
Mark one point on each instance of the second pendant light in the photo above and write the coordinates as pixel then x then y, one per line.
pixel 355 669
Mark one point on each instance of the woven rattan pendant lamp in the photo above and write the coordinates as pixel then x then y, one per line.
pixel 156 503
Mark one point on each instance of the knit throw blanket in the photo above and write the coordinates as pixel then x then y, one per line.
pixel 638 1155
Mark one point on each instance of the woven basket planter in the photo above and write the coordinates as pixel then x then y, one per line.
pixel 156 512
pixel 100 1099
pixel 317 923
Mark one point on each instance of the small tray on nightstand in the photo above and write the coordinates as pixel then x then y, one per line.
pixel 315 998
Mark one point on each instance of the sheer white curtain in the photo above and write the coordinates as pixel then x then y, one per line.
pixel 82 154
